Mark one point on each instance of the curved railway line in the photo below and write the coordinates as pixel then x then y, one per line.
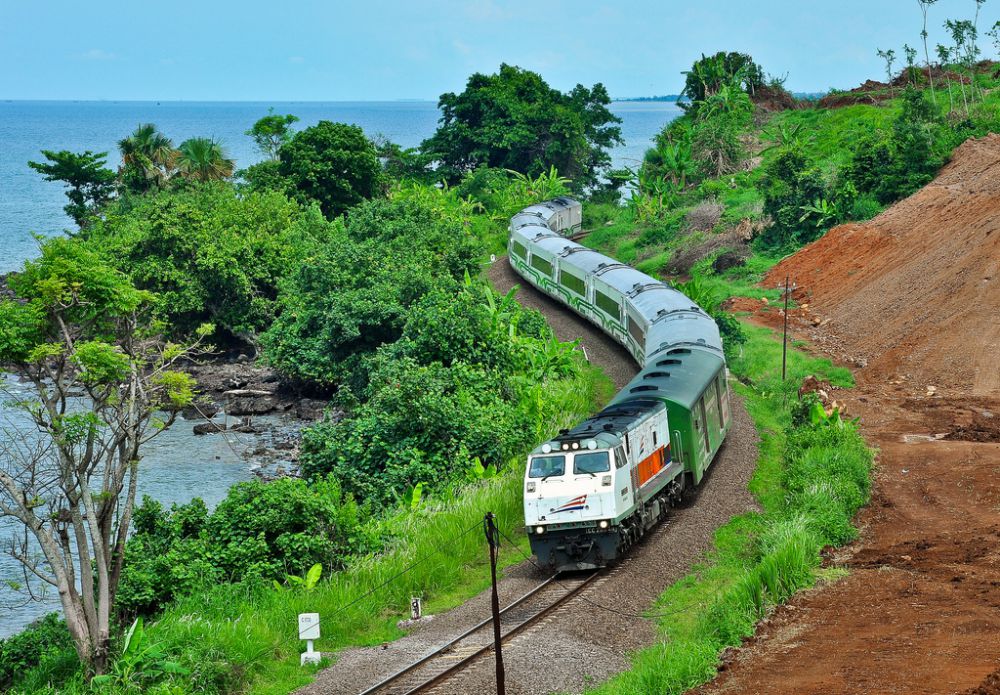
pixel 477 641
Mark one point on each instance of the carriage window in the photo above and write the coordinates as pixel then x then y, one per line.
pixel 635 330
pixel 518 249
pixel 539 263
pixel 607 304
pixel 572 282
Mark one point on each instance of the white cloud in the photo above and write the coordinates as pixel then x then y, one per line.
pixel 97 54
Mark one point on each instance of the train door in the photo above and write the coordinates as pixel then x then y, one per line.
pixel 702 425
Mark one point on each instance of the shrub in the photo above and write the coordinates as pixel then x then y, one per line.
pixel 355 293
pixel 45 641
pixel 260 531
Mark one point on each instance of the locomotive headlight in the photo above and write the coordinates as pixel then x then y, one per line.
pixel 576 445
pixel 603 523
pixel 546 448
pixel 606 480
pixel 591 445
pixel 565 447
pixel 539 530
pixel 531 486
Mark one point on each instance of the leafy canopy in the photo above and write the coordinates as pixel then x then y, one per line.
pixel 211 254
pixel 91 184
pixel 271 132
pixel 514 120
pixel 333 164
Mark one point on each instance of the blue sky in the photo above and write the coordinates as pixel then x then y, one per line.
pixel 388 49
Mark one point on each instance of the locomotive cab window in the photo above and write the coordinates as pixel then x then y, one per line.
pixel 620 460
pixel 539 263
pixel 547 466
pixel 592 463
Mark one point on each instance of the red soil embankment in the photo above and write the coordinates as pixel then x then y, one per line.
pixel 912 298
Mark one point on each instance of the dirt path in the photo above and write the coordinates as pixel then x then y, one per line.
pixel 912 299
pixel 581 644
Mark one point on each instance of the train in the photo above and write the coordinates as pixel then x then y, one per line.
pixel 594 490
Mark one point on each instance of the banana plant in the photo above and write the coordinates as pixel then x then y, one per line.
pixel 308 581
pixel 822 211
pixel 142 663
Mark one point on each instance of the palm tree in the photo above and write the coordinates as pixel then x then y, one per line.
pixel 203 159
pixel 147 157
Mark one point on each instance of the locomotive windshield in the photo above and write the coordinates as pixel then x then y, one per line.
pixel 545 466
pixel 596 462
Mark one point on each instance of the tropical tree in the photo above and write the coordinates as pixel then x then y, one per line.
pixel 333 164
pixel 709 74
pixel 514 120
pixel 271 132
pixel 944 55
pixel 202 159
pixel 70 479
pixel 91 184
pixel 889 57
pixel 147 158
pixel 925 5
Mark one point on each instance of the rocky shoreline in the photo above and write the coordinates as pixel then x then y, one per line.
pixel 238 397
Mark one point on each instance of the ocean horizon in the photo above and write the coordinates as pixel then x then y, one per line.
pixel 30 205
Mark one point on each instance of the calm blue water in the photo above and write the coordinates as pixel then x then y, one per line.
pixel 180 466
pixel 30 205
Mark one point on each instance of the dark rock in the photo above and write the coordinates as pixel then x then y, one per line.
pixel 250 402
pixel 199 410
pixel 209 428
pixel 246 428
pixel 310 409
pixel 284 446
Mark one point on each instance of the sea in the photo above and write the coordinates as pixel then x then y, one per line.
pixel 181 466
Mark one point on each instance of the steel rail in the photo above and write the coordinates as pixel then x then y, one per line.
pixel 466 660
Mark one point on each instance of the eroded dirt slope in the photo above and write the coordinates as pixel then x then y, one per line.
pixel 912 299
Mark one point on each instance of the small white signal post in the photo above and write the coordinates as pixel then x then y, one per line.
pixel 309 631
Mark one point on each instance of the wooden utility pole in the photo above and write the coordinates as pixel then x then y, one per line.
pixel 784 337
pixel 493 538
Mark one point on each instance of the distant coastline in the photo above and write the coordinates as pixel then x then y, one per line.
pixel 666 97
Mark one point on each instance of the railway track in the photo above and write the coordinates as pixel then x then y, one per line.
pixel 477 641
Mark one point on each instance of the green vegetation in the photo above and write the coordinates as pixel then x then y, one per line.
pixel 353 268
pixel 514 120
pixel 91 184
pixel 333 164
pixel 350 284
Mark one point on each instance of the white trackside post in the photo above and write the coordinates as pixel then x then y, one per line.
pixel 309 631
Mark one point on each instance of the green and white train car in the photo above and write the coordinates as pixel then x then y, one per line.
pixel 595 489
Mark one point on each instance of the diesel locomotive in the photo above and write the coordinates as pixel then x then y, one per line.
pixel 595 489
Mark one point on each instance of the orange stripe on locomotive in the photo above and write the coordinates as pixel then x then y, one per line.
pixel 653 464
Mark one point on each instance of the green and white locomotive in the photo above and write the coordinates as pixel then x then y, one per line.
pixel 595 489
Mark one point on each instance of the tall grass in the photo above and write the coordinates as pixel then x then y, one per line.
pixel 809 481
